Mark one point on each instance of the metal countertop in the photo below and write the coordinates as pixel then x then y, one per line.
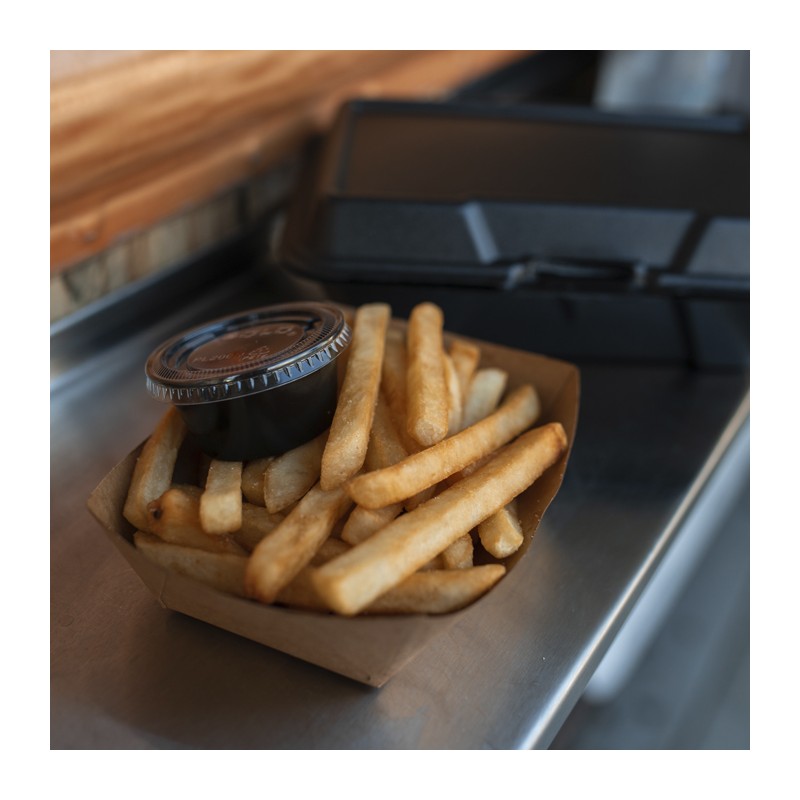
pixel 126 673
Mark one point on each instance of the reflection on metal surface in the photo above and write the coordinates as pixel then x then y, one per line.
pixel 691 543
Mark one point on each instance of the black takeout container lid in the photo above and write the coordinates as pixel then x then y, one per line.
pixel 470 195
pixel 579 233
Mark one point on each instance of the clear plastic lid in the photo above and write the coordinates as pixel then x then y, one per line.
pixel 246 353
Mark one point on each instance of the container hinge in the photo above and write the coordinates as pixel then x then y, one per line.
pixel 563 274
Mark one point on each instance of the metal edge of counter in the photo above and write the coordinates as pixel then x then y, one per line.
pixel 550 721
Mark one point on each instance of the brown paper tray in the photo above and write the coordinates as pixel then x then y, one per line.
pixel 368 649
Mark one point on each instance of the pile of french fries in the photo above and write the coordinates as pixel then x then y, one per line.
pixel 386 511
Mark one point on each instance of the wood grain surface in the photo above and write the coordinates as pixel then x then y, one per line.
pixel 143 138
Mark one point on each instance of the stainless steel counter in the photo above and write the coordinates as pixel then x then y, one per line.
pixel 127 674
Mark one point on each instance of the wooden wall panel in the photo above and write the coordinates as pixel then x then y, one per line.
pixel 148 137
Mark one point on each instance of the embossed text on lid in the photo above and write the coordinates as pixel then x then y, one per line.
pixel 246 353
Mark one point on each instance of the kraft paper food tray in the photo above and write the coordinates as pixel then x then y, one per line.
pixel 368 649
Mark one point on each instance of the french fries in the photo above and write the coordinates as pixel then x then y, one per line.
pixel 152 474
pixel 465 357
pixel 221 502
pixel 349 583
pixel 501 534
pixel 280 555
pixel 458 555
pixel 288 477
pixel 454 400
pixel 363 522
pixel 438 591
pixel 385 449
pixel 426 381
pixel 346 447
pixel 394 510
pixel 393 385
pixel 253 480
pixel 483 395
pixel 427 467
pixel 175 518
pixel 257 522
pixel 385 445
pixel 434 590
pixel 223 571
pixel 300 591
pixel 434 563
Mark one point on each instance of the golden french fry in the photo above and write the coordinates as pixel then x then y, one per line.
pixel 257 522
pixel 336 531
pixel 152 474
pixel 253 480
pixel 485 390
pixel 283 553
pixel 426 468
pixel 385 448
pixel 300 592
pixel 466 357
pixel 221 501
pixel 433 594
pixel 437 562
pixel 346 448
pixel 393 372
pixel 289 476
pixel 351 582
pixel 438 591
pixel 393 385
pixel 420 497
pixel 363 522
pixel 328 550
pixel 385 445
pixel 454 402
pixel 426 382
pixel 458 555
pixel 484 396
pixel 501 534
pixel 175 518
pixel 223 571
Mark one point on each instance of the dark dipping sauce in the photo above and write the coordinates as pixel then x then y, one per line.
pixel 255 384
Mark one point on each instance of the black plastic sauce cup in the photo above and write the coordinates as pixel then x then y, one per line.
pixel 254 384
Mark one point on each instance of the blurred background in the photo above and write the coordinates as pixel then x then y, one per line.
pixel 157 156
pixel 171 169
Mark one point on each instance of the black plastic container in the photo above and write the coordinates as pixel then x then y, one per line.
pixel 590 234
pixel 254 384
